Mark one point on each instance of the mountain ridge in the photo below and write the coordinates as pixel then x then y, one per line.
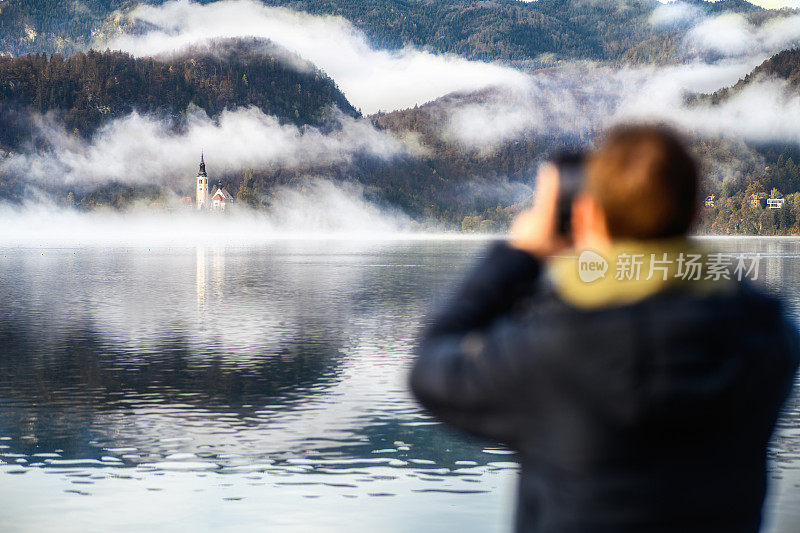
pixel 88 89
pixel 506 30
pixel 785 65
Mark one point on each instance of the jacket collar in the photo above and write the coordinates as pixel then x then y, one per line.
pixel 634 270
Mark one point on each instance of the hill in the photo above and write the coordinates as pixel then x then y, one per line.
pixel 88 89
pixel 50 26
pixel 487 29
pixel 721 6
pixel 449 180
pixel 784 65
pixel 458 185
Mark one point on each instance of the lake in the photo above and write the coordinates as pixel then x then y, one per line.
pixel 221 388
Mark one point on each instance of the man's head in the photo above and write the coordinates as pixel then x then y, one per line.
pixel 641 184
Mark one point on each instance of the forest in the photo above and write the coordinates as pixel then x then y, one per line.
pixel 88 89
pixel 466 189
pixel 769 170
pixel 539 33
pixel 784 65
pixel 463 188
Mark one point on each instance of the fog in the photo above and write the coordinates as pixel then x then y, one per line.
pixel 140 149
pixel 578 99
pixel 372 79
pixel 319 208
pixel 497 104
pixel 581 100
pixel 731 34
pixel 675 14
pixel 760 112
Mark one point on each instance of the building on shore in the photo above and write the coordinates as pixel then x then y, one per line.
pixel 219 200
pixel 775 203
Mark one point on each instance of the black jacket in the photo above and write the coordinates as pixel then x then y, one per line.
pixel 646 417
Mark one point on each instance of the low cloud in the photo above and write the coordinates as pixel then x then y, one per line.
pixel 323 206
pixel 372 79
pixel 570 100
pixel 579 101
pixel 763 111
pixel 675 15
pixel 494 104
pixel 320 208
pixel 732 35
pixel 139 149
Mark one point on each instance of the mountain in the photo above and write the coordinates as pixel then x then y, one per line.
pixel 538 32
pixel 496 29
pixel 468 186
pixel 456 184
pixel 51 26
pixel 763 169
pixel 88 89
pixel 721 6
pixel 783 65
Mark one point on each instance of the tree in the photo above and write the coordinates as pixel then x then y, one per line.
pixel 248 194
pixel 785 218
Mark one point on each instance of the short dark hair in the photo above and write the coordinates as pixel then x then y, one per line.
pixel 645 180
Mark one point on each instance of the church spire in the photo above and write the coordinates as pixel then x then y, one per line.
pixel 202 166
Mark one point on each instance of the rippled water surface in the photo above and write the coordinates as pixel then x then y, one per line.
pixel 223 388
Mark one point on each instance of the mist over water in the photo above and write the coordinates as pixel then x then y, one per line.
pixel 320 210
pixel 263 378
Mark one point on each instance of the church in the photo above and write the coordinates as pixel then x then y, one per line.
pixel 219 200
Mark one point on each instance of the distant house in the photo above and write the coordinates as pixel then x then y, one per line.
pixel 755 200
pixel 775 203
pixel 221 199
pixel 710 200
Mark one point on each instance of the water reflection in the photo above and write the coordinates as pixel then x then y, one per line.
pixel 280 367
pixel 260 377
pixel 200 276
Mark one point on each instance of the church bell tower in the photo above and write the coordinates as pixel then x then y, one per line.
pixel 202 186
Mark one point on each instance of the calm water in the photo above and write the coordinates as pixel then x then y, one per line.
pixel 220 388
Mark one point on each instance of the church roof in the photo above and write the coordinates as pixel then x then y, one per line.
pixel 202 166
pixel 223 194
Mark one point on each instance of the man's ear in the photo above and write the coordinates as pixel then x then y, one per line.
pixel 589 226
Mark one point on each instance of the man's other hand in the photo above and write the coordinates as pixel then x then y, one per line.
pixel 534 230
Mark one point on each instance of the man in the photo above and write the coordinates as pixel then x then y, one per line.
pixel 642 400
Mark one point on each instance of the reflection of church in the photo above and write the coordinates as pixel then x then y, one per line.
pixel 218 200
